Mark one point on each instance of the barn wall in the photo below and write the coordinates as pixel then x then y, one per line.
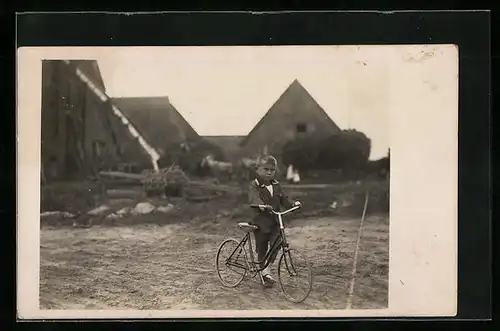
pixel 79 136
pixel 101 149
pixel 53 126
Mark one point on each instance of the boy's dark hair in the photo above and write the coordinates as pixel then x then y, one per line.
pixel 266 159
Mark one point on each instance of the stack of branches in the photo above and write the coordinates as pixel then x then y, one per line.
pixel 171 181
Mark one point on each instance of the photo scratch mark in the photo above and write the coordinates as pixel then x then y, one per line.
pixel 422 57
pixel 431 85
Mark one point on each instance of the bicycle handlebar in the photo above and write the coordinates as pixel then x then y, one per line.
pixel 269 208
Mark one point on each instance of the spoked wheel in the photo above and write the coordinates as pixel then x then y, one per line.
pixel 231 263
pixel 295 276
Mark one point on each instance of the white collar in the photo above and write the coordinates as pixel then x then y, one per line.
pixel 273 182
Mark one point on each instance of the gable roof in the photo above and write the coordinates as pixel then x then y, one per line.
pixel 91 69
pixel 157 120
pixel 295 88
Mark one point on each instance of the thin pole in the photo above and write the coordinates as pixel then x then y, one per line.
pixel 355 263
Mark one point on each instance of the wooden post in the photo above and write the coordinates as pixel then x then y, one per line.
pixel 350 295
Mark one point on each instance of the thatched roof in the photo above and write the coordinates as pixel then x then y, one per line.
pixel 157 120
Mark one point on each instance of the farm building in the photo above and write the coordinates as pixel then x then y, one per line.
pixel 166 130
pixel 159 122
pixel 80 131
pixel 295 114
pixel 230 146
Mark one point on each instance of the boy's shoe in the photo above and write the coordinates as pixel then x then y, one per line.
pixel 268 279
pixel 267 283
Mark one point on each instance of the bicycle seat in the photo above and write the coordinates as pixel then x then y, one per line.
pixel 247 227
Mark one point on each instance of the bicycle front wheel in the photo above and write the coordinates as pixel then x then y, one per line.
pixel 294 275
pixel 231 263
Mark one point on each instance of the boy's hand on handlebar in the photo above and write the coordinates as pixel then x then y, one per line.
pixel 297 204
pixel 265 208
pixel 262 207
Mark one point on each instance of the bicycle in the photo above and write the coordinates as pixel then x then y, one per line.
pixel 251 266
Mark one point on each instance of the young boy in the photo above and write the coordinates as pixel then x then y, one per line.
pixel 266 190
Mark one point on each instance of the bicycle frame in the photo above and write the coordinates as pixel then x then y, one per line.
pixel 279 242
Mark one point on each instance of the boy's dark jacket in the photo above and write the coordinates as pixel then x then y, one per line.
pixel 258 194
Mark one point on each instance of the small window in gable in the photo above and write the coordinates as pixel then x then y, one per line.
pixel 301 127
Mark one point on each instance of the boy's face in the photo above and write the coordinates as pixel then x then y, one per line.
pixel 266 172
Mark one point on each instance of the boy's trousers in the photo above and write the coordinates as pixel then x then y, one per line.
pixel 263 242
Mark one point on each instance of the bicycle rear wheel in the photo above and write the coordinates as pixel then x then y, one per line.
pixel 295 276
pixel 231 263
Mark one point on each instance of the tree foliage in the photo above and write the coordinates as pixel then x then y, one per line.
pixel 347 151
pixel 380 167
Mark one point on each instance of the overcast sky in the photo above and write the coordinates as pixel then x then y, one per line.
pixel 226 90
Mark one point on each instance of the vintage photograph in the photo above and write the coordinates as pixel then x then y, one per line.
pixel 237 181
pixel 242 178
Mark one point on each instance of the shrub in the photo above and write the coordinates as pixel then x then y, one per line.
pixel 378 168
pixel 302 153
pixel 348 151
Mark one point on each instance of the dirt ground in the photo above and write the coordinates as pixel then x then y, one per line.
pixel 171 265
